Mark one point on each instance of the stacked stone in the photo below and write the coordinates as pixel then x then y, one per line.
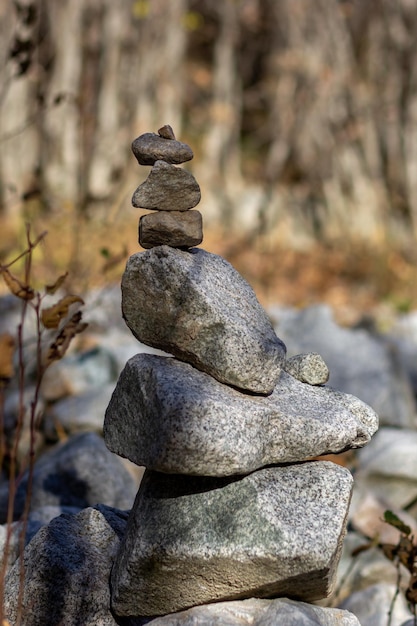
pixel 169 191
pixel 231 504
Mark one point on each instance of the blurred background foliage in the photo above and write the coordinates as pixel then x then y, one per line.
pixel 302 115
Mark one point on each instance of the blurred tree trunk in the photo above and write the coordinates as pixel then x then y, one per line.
pixel 62 157
pixel 158 67
pixel 220 164
pixel 19 108
pixel 315 101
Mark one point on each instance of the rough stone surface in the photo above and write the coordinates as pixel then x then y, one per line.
pixel 167 188
pixel 278 531
pixel 255 612
pixel 81 472
pixel 179 229
pixel 362 363
pixel 308 368
pixel 168 416
pixel 36 520
pixel 151 147
pixel 166 132
pixel 67 569
pixel 196 306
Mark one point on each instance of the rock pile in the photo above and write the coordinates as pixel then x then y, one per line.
pixel 168 190
pixel 231 505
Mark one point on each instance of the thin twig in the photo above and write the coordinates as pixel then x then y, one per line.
pixel 27 251
pixel 397 591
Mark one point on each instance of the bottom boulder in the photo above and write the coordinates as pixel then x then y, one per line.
pixel 256 612
pixel 195 540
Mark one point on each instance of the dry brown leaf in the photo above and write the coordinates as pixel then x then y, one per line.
pixel 7 344
pixel 389 550
pixel 52 316
pixel 405 552
pixel 57 349
pixel 51 289
pixel 17 288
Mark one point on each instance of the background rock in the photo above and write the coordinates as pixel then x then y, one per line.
pixel 388 467
pixel 371 606
pixel 80 472
pixel 79 413
pixel 364 364
pixel 67 569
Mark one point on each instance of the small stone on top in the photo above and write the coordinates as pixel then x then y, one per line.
pixel 166 132
pixel 151 147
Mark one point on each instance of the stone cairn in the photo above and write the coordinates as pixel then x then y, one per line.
pixel 232 504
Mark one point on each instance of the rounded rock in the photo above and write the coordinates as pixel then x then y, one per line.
pixel 151 147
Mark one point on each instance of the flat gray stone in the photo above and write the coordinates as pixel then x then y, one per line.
pixel 170 417
pixel 67 569
pixel 308 368
pixel 190 540
pixel 167 188
pixel 178 229
pixel 151 147
pixel 255 612
pixel 196 306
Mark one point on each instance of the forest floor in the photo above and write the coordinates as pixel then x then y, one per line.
pixel 354 279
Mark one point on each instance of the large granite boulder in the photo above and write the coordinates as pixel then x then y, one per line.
pixel 190 540
pixel 196 306
pixel 168 416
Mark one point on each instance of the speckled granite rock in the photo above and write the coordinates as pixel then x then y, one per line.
pixel 189 541
pixel 168 416
pixel 196 306
pixel 308 368
pixel 67 569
